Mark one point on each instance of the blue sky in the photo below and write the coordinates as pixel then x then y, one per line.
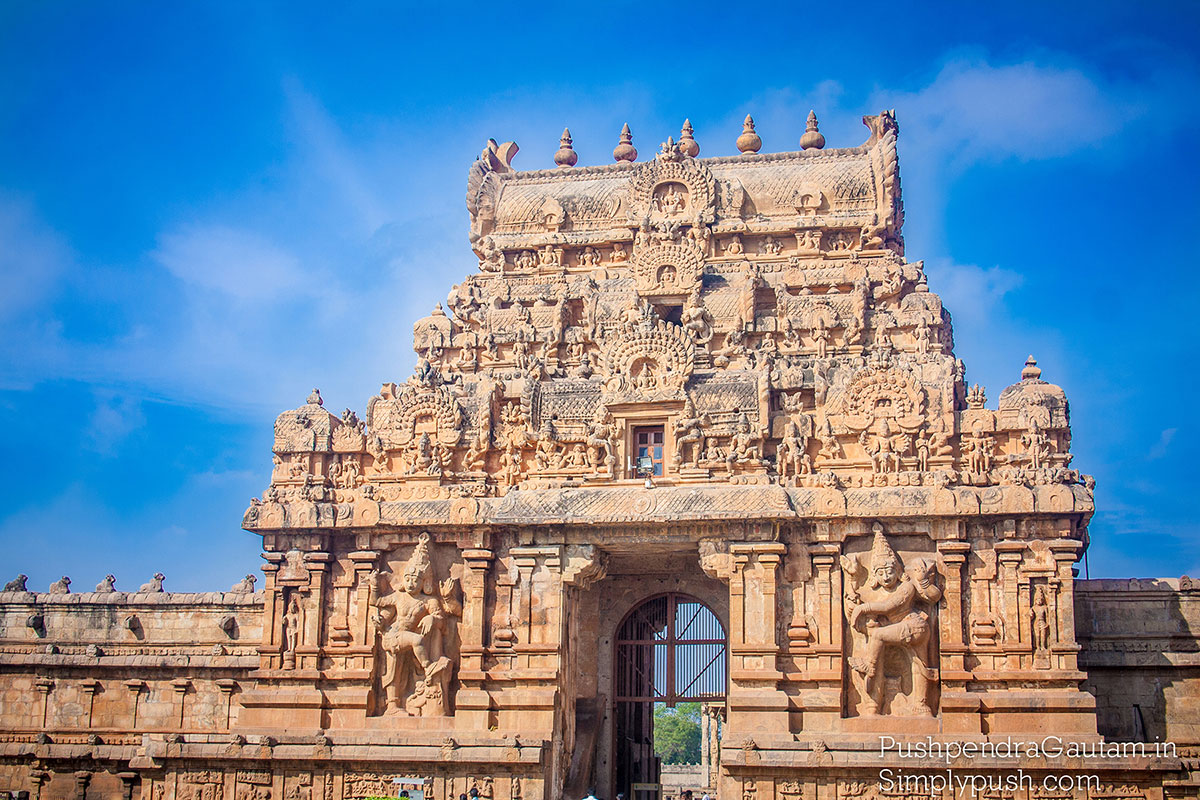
pixel 207 211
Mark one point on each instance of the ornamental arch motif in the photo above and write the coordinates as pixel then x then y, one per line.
pixel 650 265
pixel 395 419
pixel 664 344
pixel 890 393
pixel 700 195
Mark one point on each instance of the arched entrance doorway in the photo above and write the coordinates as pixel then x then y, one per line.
pixel 671 649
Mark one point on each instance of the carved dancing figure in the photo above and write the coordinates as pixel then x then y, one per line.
pixel 697 321
pixel 883 448
pixel 891 612
pixel 415 624
pixel 601 442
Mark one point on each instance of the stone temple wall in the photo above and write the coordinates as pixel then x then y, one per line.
pixel 718 378
pixel 1140 642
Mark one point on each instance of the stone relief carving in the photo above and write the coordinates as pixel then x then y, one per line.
pixel 892 654
pixel 418 635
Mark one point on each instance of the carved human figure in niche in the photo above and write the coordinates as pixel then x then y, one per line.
pixel 601 442
pixel 792 454
pixel 619 253
pixel 923 335
pixel 978 448
pixel 743 445
pixel 820 337
pixel 416 621
pixel 1037 445
pixel 696 320
pixel 733 246
pixel 888 610
pixel 747 305
pixel 809 240
pixel 477 450
pixel 291 632
pixel 589 257
pixel 1040 616
pixel 689 436
pixel 771 247
pixel 669 200
pixel 884 448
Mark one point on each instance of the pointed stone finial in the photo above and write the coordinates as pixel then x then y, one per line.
pixel 1032 371
pixel 687 142
pixel 749 141
pixel 566 155
pixel 314 399
pixel 625 151
pixel 812 138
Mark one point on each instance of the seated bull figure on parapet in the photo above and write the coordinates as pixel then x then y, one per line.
pixel 889 609
pixel 417 629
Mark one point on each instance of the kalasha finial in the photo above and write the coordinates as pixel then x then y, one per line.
pixel 1032 371
pixel 687 142
pixel 625 151
pixel 566 155
pixel 812 138
pixel 749 141
pixel 314 399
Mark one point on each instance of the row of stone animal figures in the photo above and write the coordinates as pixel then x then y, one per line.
pixel 109 585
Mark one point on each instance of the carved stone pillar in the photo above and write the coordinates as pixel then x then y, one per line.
pixel 44 686
pixel 128 779
pixel 363 630
pixel 539 627
pixel 953 646
pixel 82 779
pixel 227 686
pixel 1010 554
pixel 269 650
pixel 37 779
pixel 181 686
pixel 829 592
pixel 756 704
pixel 136 688
pixel 314 613
pixel 90 688
pixel 1066 650
pixel 472 702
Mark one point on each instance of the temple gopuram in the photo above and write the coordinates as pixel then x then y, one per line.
pixel 694 432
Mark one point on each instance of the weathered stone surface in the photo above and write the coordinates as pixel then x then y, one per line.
pixel 714 382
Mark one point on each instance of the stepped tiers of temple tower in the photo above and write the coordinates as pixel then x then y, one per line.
pixel 693 432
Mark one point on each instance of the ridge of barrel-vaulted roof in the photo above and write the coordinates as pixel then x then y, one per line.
pixel 861 181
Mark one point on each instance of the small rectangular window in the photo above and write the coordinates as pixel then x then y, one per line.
pixel 648 443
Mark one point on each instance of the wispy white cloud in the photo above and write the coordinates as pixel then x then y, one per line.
pixel 975 111
pixel 1160 447
pixel 972 292
pixel 241 264
pixel 114 417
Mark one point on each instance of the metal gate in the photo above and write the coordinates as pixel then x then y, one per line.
pixel 670 649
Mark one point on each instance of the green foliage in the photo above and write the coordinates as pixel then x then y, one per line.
pixel 677 733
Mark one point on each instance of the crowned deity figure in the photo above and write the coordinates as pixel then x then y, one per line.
pixel 416 623
pixel 889 609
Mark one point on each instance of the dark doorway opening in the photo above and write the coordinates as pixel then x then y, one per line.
pixel 670 649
